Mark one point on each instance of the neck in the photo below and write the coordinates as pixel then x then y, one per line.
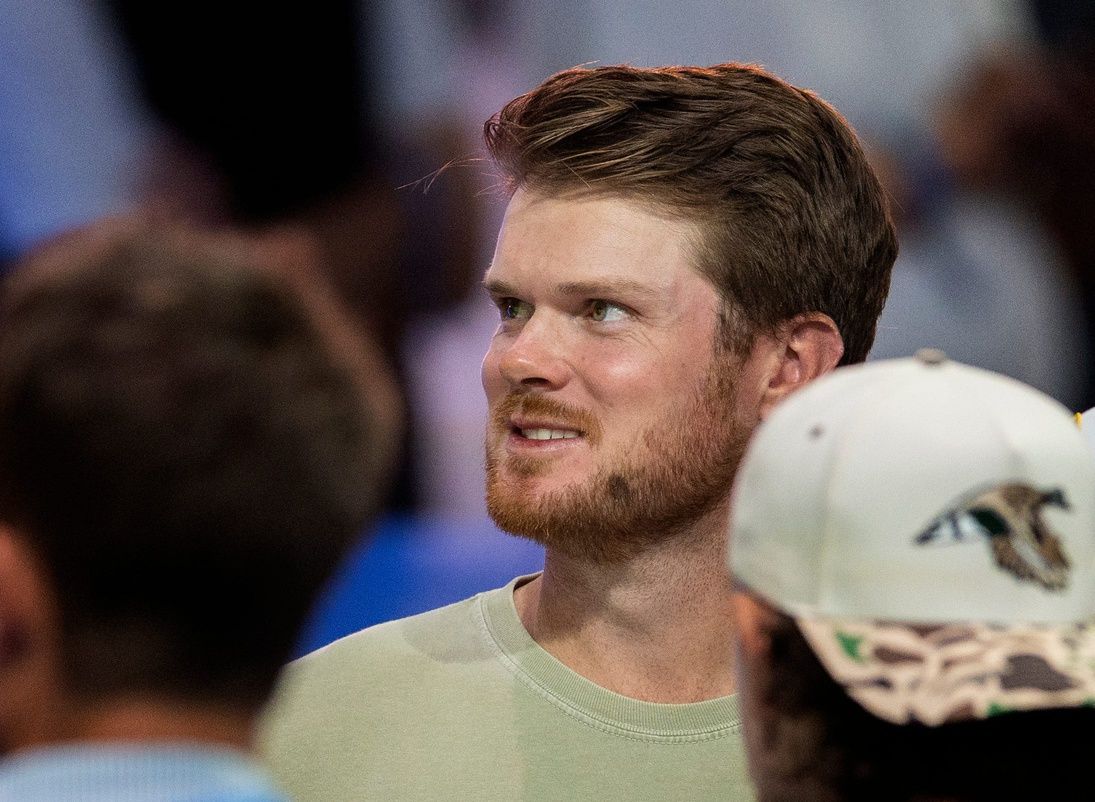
pixel 151 721
pixel 656 627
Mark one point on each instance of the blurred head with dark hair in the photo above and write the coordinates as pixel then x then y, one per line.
pixel 188 442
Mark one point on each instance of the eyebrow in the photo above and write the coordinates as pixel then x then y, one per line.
pixel 496 287
pixel 590 289
pixel 608 287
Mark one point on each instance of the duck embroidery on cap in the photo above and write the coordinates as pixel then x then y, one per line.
pixel 1010 516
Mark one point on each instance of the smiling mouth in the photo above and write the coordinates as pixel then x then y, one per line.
pixel 547 434
pixel 535 422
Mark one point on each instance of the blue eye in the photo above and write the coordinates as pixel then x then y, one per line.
pixel 606 311
pixel 513 309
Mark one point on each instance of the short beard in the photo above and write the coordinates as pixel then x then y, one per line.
pixel 685 473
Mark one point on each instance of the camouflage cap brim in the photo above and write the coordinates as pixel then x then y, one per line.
pixel 941 674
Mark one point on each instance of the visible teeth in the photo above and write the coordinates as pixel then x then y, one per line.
pixel 548 434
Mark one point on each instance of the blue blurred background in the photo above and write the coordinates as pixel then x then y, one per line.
pixel 350 132
pixel 410 565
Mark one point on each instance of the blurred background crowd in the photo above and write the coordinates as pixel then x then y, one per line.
pixel 346 136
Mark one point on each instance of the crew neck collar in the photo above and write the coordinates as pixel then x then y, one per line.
pixel 588 701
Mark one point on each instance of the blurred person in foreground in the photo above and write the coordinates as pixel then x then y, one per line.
pixel 913 552
pixel 683 248
pixel 188 442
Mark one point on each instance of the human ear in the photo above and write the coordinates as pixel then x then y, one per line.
pixel 27 641
pixel 750 632
pixel 811 346
pixel 752 645
pixel 16 593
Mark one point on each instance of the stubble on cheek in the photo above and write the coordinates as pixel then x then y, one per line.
pixel 678 469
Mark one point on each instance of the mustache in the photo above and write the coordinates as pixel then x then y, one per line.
pixel 534 405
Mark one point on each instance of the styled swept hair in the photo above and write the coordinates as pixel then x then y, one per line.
pixel 793 219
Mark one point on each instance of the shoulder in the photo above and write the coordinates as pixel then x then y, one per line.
pixel 382 667
pixel 389 650
pixel 343 709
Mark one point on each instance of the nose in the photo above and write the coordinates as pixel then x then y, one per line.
pixel 533 357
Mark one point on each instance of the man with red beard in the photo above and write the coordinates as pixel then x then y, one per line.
pixel 683 248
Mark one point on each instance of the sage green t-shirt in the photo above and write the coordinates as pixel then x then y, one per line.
pixel 460 703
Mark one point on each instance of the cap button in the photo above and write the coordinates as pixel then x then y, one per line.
pixel 931 356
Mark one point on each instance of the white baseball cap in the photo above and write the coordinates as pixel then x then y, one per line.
pixel 930 526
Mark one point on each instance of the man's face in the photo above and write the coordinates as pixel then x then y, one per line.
pixel 615 417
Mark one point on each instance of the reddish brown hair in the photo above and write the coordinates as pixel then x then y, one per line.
pixel 793 218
